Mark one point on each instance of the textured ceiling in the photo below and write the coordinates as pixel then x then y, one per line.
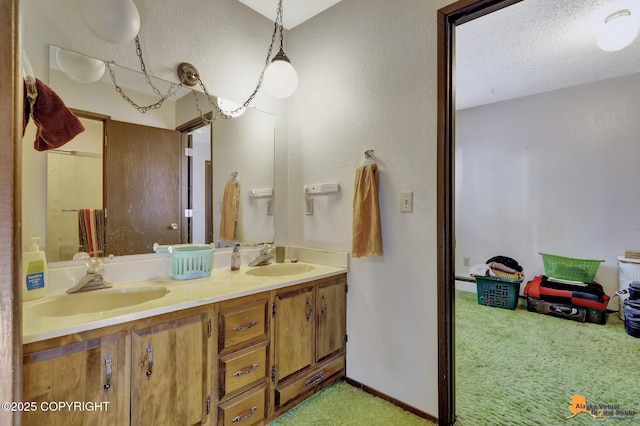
pixel 536 46
pixel 294 13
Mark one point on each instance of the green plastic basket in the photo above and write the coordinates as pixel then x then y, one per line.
pixel 569 268
pixel 188 261
pixel 498 292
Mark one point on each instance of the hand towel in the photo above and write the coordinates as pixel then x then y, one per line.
pixel 91 231
pixel 367 233
pixel 230 205
pixel 56 124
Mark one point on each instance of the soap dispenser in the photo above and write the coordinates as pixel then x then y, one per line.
pixel 235 258
pixel 35 274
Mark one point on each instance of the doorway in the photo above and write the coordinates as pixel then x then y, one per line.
pixel 448 18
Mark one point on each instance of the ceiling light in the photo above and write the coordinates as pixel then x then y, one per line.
pixel 618 31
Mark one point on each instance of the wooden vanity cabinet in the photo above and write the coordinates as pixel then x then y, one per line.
pixel 150 371
pixel 309 335
pixel 170 370
pixel 271 351
pixel 90 368
pixel 243 360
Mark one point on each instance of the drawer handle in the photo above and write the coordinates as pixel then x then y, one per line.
pixel 246 370
pixel 150 361
pixel 107 363
pixel 314 379
pixel 246 416
pixel 245 326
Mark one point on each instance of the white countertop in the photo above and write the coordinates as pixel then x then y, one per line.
pixel 223 284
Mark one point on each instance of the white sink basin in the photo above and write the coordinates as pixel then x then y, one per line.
pixel 95 301
pixel 280 269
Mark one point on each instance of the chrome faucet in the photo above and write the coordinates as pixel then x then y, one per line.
pixel 93 280
pixel 264 258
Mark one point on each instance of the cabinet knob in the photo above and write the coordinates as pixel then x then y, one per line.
pixel 173 226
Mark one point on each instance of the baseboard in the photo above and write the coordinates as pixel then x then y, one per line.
pixel 392 400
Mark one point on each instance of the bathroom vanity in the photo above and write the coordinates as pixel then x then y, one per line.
pixel 230 349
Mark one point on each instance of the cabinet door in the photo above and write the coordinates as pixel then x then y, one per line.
pixel 169 372
pixel 294 323
pixel 89 375
pixel 331 308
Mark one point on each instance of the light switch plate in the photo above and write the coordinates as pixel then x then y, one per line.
pixel 406 202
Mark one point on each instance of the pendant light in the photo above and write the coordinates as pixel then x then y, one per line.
pixel 115 21
pixel 118 21
pixel 280 78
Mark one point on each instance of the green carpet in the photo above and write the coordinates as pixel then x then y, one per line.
pixel 344 405
pixel 523 368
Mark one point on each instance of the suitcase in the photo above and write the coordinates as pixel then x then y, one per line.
pixel 575 313
pixel 570 312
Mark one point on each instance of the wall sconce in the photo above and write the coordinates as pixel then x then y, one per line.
pixel 118 21
pixel 618 31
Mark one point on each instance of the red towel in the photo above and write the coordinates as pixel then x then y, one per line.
pixel 55 122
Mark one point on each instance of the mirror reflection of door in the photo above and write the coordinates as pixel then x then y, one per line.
pixel 74 182
pixel 143 192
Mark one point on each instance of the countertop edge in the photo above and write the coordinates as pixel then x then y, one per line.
pixel 133 316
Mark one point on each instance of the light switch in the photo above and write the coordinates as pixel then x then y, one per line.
pixel 406 202
pixel 309 206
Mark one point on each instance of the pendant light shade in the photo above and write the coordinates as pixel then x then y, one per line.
pixel 80 68
pixel 115 21
pixel 618 31
pixel 280 78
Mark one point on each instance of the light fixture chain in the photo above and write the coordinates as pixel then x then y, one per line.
pixel 141 109
pixel 173 88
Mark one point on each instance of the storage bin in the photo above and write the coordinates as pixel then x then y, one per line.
pixel 632 318
pixel 188 261
pixel 498 292
pixel 569 268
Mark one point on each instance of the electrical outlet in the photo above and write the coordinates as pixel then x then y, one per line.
pixel 465 261
pixel 406 202
pixel 309 206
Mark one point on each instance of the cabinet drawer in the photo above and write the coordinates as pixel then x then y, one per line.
pixel 242 369
pixel 242 324
pixel 316 378
pixel 246 409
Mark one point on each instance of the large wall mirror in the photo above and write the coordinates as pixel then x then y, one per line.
pixel 161 177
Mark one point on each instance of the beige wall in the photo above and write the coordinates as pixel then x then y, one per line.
pixel 368 80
